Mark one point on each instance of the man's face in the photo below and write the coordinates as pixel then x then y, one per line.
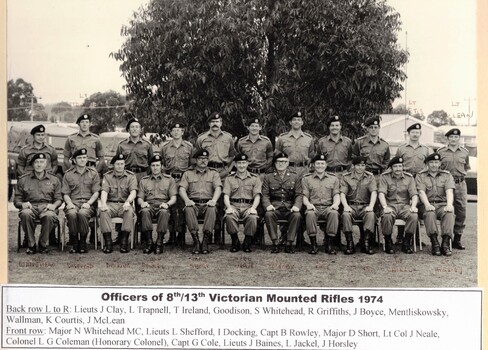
pixel 360 168
pixel 414 134
pixel 296 123
pixel 135 129
pixel 397 169
pixel 202 162
pixel 84 125
pixel 281 164
pixel 434 165
pixel 320 166
pixel 177 133
pixel 39 137
pixel 241 166
pixel 373 130
pixel 254 129
pixel 39 165
pixel 335 128
pixel 453 140
pixel 215 124
pixel 156 168
pixel 119 166
pixel 81 160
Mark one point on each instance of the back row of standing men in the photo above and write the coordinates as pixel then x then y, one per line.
pixel 298 147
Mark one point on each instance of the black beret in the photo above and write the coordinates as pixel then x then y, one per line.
pixel 319 156
pixel 372 121
pixel 213 116
pixel 296 114
pixel 359 160
pixel 132 120
pixel 117 157
pixel 37 156
pixel 176 124
pixel 240 156
pixel 201 153
pixel 83 117
pixel 334 118
pixel 279 155
pixel 39 128
pixel 433 156
pixel 253 121
pixel 395 160
pixel 156 158
pixel 79 152
pixel 454 131
pixel 415 126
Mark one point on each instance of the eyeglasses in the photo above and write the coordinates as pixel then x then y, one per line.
pixel 281 161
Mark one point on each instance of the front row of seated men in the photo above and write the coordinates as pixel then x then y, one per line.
pixel 283 193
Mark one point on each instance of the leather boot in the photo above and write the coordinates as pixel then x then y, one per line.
pixel 283 235
pixel 82 244
pixel 366 247
pixel 313 242
pixel 235 243
pixel 159 243
pixel 436 248
pixel 445 245
pixel 329 245
pixel 275 249
pixel 196 243
pixel 407 243
pixel 107 239
pixel 206 237
pixel 289 248
pixel 246 245
pixel 124 238
pixel 74 243
pixel 349 244
pixel 172 239
pixel 399 238
pixel 456 243
pixel 149 243
pixel 389 245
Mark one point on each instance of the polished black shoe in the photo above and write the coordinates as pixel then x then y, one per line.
pixel 329 247
pixel 31 250
pixel 196 243
pixel 389 245
pixel 43 250
pixel 436 248
pixel 206 238
pixel 314 248
pixel 289 249
pixel 407 244
pixel 446 246
pixel 158 249
pixel 236 245
pixel 83 248
pixel 246 245
pixel 456 243
pixel 275 249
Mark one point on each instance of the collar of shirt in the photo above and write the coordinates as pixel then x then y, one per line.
pixel 248 138
pixel 81 173
pixel 42 145
pixel 138 140
pixel 209 133
pixel 315 174
pixel 246 175
pixel 453 150
pixel 354 175
pixel 33 175
pixel 202 171
pixel 433 174
pixel 394 177
pixel 419 145
pixel 172 143
pixel 87 134
pixel 120 175
pixel 329 137
pixel 290 133
pixel 156 177
pixel 374 143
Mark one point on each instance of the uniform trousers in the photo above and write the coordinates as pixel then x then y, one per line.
pixel 271 219
pixel 48 221
pixel 358 212
pixel 196 211
pixel 322 212
pixel 250 221
pixel 177 219
pixel 78 218
pixel 116 210
pixel 446 218
pixel 154 211
pixel 400 211
pixel 460 203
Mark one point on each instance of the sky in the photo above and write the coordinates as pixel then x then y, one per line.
pixel 62 48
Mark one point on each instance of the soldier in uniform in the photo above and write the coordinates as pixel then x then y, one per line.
pixel 358 196
pixel 200 189
pixel 88 140
pixel 257 147
pixel 242 193
pixel 398 198
pixel 38 195
pixel 119 189
pixel 157 194
pixel 177 158
pixel 336 147
pixel 80 188
pixel 297 144
pixel 38 146
pixel 372 147
pixel 455 159
pixel 282 199
pixel 436 191
pixel 321 199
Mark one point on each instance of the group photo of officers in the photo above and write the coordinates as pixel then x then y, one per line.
pixel 302 185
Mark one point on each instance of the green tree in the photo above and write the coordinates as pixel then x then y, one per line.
pixel 189 58
pixel 399 109
pixel 107 110
pixel 438 118
pixel 20 99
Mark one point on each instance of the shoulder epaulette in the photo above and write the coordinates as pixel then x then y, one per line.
pixel 108 172
pixel 243 137
pixel 441 148
pixel 226 133
pixel 350 172
pixel 129 172
pixel 368 173
pixel 146 177
pixel 408 174
pixel 360 138
pixel 331 174
pixel 381 139
pixel 188 142
pixel 24 146
pixel 442 171
pixel 283 133
pixel 305 175
pixel 24 175
pixel 202 133
pixel 387 171
pixel 464 148
pixel 165 143
pixel 166 175
pixel 70 169
pixel 346 138
pixel 423 171
pixel 307 134
pixel 252 174
pixel 265 137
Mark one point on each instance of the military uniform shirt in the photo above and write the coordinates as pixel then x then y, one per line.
pixel 337 153
pixel 320 191
pixel 34 190
pixel 358 189
pixel 221 148
pixel 260 152
pixel 176 159
pixel 397 191
pixel 282 192
pixel 299 149
pixel 28 151
pixel 378 153
pixel 413 158
pixel 200 184
pixel 80 186
pixel 157 189
pixel 435 186
pixel 247 187
pixel 90 141
pixel 119 188
pixel 456 162
pixel 137 154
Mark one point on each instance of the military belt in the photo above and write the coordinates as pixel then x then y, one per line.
pixel 458 179
pixel 256 170
pixel 138 169
pixel 216 165
pixel 247 201
pixel 298 164
pixel 176 175
pixel 201 201
pixel 375 171
pixel 336 169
